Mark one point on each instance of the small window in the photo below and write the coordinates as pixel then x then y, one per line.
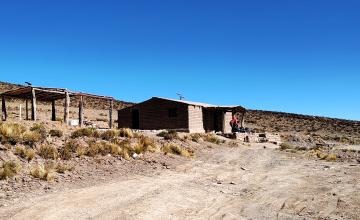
pixel 172 112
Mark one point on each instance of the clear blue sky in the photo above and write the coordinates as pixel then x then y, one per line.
pixel 284 55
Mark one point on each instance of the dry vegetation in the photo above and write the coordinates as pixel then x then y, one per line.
pixel 327 129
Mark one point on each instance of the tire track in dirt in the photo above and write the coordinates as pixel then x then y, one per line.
pixel 224 183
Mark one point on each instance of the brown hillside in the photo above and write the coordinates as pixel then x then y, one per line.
pixel 327 128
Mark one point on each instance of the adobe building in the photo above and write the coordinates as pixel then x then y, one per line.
pixel 162 113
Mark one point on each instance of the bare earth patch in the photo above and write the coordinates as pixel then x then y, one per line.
pixel 244 182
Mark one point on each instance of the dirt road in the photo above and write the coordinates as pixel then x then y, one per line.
pixel 222 183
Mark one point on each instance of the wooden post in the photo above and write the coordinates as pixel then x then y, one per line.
pixel 81 111
pixel 66 108
pixel 243 120
pixel 3 107
pixel 53 110
pixel 110 113
pixel 20 112
pixel 33 106
pixel 27 110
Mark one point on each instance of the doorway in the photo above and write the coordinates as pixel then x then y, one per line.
pixel 135 119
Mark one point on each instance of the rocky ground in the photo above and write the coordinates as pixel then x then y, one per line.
pixel 256 181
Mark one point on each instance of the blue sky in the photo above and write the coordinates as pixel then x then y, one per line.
pixel 284 55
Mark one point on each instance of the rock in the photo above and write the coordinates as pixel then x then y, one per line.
pixel 135 156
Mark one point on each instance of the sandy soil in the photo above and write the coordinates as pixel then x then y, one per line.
pixel 247 182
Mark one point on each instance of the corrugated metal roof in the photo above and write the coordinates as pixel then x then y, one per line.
pixel 198 103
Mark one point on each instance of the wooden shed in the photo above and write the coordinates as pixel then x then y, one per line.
pixel 194 117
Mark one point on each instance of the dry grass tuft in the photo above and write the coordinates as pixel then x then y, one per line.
pixel 56 133
pixel 144 145
pixel 126 132
pixel 212 138
pixel 71 146
pixel 43 172
pixel 25 153
pixel 31 138
pixel 286 146
pixel 109 134
pixel 41 130
pixel 62 168
pixel 85 132
pixel 48 152
pixel 169 135
pixel 177 150
pixel 104 148
pixel 11 133
pixel 196 137
pixel 327 157
pixel 9 169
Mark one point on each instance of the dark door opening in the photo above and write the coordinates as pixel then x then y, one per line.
pixel 135 119
pixel 217 119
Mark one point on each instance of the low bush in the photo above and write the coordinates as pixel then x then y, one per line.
pixel 85 132
pixel 25 153
pixel 48 152
pixel 62 168
pixel 9 169
pixel 56 133
pixel 144 145
pixel 41 130
pixel 286 146
pixel 103 148
pixel 326 156
pixel 43 172
pixel 212 138
pixel 196 137
pixel 11 133
pixel 126 132
pixel 177 150
pixel 31 138
pixel 70 147
pixel 109 134
pixel 169 135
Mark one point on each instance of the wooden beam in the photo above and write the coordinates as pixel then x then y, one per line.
pixel 67 108
pixel 110 113
pixel 243 120
pixel 27 109
pixel 33 106
pixel 53 110
pixel 81 111
pixel 3 107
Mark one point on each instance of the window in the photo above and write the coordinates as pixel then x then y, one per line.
pixel 172 112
